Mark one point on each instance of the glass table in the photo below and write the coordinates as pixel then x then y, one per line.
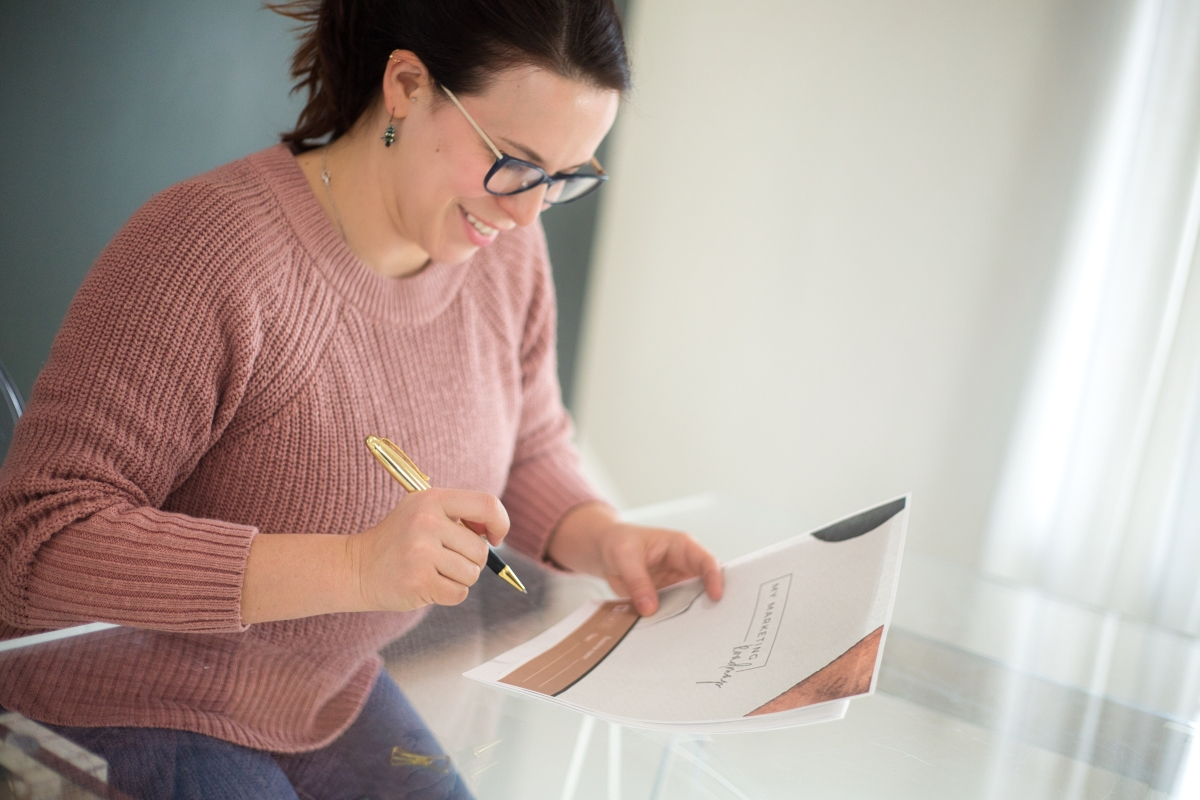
pixel 988 689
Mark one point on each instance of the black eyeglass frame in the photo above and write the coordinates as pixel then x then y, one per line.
pixel 547 179
pixel 503 160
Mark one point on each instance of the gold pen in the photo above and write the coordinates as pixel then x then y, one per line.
pixel 402 468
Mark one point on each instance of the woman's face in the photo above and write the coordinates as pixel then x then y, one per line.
pixel 434 171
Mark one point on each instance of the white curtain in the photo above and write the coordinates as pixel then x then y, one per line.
pixel 1099 498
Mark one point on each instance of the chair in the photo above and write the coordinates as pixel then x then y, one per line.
pixel 11 406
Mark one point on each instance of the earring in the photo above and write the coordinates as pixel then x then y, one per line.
pixel 389 135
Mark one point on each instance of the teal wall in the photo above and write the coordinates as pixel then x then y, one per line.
pixel 106 103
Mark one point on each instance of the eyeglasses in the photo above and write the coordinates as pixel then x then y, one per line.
pixel 509 176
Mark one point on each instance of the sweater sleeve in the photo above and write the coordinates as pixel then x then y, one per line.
pixel 545 480
pixel 147 370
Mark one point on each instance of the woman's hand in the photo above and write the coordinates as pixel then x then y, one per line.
pixel 419 554
pixel 635 560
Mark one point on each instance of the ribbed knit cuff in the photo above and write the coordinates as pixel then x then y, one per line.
pixel 144 568
pixel 539 494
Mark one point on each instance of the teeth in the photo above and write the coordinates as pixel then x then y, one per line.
pixel 486 230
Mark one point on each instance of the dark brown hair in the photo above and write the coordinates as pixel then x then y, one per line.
pixel 345 44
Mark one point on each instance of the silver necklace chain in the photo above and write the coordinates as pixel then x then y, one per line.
pixel 326 177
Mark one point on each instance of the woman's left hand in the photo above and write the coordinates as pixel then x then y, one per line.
pixel 635 560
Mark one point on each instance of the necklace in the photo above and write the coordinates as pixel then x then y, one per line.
pixel 325 178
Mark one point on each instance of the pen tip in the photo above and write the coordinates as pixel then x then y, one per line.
pixel 508 575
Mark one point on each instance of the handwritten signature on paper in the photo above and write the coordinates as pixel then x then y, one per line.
pixel 755 649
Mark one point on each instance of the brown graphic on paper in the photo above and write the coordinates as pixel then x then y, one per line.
pixel 846 676
pixel 560 667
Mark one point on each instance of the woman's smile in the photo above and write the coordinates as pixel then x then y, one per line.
pixel 479 233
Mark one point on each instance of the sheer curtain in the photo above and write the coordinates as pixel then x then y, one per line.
pixel 1099 498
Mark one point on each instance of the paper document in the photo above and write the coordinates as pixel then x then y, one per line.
pixel 799 631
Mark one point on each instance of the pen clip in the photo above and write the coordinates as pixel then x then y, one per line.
pixel 400 466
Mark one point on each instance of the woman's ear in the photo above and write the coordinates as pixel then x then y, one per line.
pixel 406 82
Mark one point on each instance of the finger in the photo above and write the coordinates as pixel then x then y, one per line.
pixel 467 544
pixel 701 562
pixel 714 579
pixel 630 563
pixel 446 592
pixel 479 530
pixel 482 512
pixel 457 568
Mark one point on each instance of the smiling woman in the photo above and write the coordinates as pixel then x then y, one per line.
pixel 380 271
pixel 544 81
pixel 442 188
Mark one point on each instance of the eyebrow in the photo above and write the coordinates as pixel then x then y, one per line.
pixel 525 152
pixel 531 155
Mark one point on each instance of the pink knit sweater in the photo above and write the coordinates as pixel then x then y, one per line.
pixel 215 377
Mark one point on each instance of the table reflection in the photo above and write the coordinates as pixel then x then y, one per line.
pixel 387 753
pixel 987 690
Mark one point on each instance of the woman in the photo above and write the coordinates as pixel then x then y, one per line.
pixel 192 463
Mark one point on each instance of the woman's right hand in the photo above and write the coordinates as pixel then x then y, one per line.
pixel 419 554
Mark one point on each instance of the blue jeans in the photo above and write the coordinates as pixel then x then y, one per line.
pixel 153 763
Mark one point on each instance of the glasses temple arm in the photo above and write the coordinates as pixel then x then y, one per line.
pixel 474 124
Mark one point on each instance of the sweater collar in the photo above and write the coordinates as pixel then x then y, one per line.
pixel 411 300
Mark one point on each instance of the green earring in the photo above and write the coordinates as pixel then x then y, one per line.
pixel 389 135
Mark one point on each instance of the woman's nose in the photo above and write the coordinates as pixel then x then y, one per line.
pixel 524 208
